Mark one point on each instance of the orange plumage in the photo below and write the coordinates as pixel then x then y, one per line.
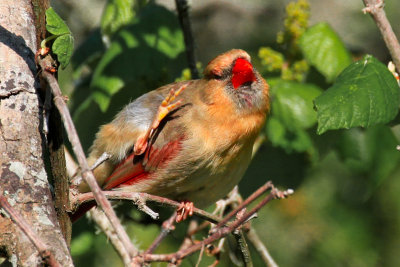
pixel 201 149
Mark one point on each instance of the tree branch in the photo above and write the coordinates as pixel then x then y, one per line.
pixel 222 229
pixel 250 199
pixel 166 228
pixel 375 9
pixel 260 247
pixel 220 232
pixel 183 12
pixel 143 198
pixel 244 248
pixel 101 220
pixel 187 242
pixel 76 178
pixel 44 252
pixel 87 174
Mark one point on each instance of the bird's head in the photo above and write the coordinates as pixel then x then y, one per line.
pixel 240 80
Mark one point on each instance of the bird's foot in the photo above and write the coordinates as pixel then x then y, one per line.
pixel 167 106
pixel 163 110
pixel 184 210
pixel 141 144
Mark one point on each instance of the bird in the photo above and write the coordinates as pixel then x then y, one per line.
pixel 193 150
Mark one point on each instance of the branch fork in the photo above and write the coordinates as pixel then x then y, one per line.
pixel 370 8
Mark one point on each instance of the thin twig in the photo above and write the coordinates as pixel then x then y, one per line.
pixel 241 240
pixel 216 252
pixel 77 179
pixel 221 205
pixel 187 241
pixel 44 252
pixel 200 257
pixel 251 233
pixel 221 232
pixel 250 199
pixel 105 156
pixel 244 248
pixel 375 9
pixel 252 236
pixel 183 12
pixel 199 228
pixel 103 223
pixel 143 198
pixel 87 174
pixel 166 228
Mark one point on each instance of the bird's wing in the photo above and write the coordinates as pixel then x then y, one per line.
pixel 163 146
pixel 137 168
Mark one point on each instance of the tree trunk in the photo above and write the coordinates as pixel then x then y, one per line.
pixel 23 146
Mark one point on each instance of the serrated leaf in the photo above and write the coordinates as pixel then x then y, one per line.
pixel 116 13
pixel 63 47
pixel 54 24
pixel 139 54
pixel 365 94
pixel 324 50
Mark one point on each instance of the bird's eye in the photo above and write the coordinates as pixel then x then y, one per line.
pixel 217 77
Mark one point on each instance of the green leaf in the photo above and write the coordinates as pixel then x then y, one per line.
pixel 365 94
pixel 290 140
pixel 141 56
pixel 324 50
pixel 54 24
pixel 293 103
pixel 382 151
pixel 291 114
pixel 370 152
pixel 116 13
pixel 63 47
pixel 64 42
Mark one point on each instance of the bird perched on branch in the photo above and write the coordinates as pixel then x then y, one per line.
pixel 190 141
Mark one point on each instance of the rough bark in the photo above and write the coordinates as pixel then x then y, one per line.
pixel 23 177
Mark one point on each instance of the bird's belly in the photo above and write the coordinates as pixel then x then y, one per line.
pixel 214 179
pixel 213 187
pixel 199 179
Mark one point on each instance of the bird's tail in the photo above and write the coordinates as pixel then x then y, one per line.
pixel 85 207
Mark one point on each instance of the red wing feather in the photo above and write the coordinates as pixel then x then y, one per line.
pixel 129 171
pixel 124 172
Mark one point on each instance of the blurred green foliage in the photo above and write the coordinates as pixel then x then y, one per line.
pixel 346 206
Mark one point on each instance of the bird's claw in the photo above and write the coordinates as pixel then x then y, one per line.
pixel 140 145
pixel 167 106
pixel 163 110
pixel 184 210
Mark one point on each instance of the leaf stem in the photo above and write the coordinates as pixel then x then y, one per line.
pixel 43 43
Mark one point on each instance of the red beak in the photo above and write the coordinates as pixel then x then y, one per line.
pixel 242 73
